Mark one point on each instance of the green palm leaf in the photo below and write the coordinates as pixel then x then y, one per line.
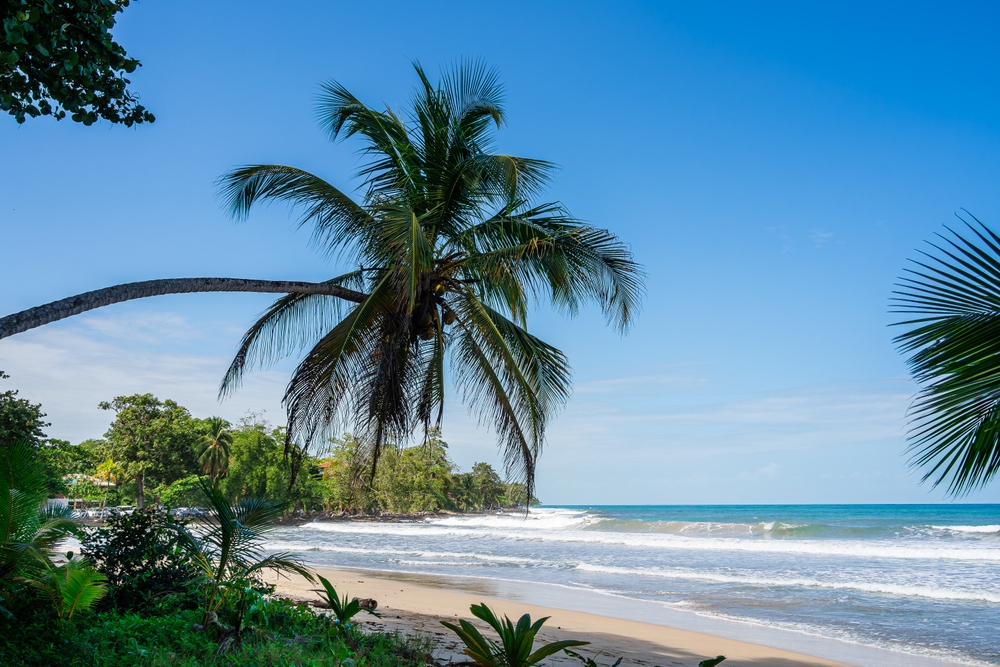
pixel 952 296
pixel 81 588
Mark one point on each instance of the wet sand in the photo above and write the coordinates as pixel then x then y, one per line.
pixel 410 605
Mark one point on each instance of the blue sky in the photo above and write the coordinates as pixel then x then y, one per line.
pixel 772 168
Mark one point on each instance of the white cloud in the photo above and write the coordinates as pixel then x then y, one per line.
pixel 70 367
pixel 673 435
pixel 820 238
pixel 768 472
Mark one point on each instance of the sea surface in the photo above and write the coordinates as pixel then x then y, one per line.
pixel 918 579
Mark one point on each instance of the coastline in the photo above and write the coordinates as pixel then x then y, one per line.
pixel 413 605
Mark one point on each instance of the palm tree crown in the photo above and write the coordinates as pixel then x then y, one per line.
pixel 450 246
pixel 953 297
pixel 215 446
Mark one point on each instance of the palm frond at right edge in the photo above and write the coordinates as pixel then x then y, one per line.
pixel 951 295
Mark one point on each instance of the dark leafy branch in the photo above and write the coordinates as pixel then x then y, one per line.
pixel 57 57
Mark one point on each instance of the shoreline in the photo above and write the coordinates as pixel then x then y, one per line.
pixel 413 604
pixel 645 633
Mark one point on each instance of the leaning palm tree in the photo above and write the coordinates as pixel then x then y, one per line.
pixel 449 247
pixel 215 444
pixel 952 298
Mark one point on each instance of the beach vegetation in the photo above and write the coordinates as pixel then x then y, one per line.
pixel 344 609
pixel 259 468
pixel 420 478
pixel 71 587
pixel 516 647
pixel 951 298
pixel 228 552
pixel 142 555
pixel 589 662
pixel 214 448
pixel 286 634
pixel 64 462
pixel 58 58
pixel 28 531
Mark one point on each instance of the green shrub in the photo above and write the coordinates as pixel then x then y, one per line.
pixel 142 556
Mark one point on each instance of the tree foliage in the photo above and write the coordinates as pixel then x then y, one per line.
pixel 20 419
pixel 420 478
pixel 57 57
pixel 214 448
pixel 258 468
pixel 153 440
pixel 60 459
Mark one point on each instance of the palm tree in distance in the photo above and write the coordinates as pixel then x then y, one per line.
pixel 952 295
pixel 109 471
pixel 449 246
pixel 215 444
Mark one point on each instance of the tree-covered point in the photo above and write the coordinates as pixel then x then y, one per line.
pixel 58 58
pixel 156 453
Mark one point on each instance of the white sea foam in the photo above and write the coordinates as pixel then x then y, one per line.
pixel 969 529
pixel 412 553
pixel 757 580
pixel 504 528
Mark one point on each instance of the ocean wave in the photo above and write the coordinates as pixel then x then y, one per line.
pixel 970 529
pixel 814 547
pixel 412 553
pixel 797 582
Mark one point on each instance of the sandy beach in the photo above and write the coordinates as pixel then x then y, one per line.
pixel 411 607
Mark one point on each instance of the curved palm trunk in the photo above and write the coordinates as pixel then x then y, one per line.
pixel 74 305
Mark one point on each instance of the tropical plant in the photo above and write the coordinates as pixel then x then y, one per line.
pixel 72 587
pixel 143 557
pixel 516 641
pixel 589 662
pixel 343 611
pixel 258 468
pixel 229 553
pixel 214 454
pixel 952 298
pixel 451 247
pixel 28 532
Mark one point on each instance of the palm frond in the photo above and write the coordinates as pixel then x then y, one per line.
pixel 291 323
pixel 954 347
pixel 337 219
pixel 513 380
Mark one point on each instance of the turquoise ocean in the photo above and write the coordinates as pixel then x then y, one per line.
pixel 919 580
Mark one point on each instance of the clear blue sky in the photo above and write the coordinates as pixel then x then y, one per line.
pixel 773 168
